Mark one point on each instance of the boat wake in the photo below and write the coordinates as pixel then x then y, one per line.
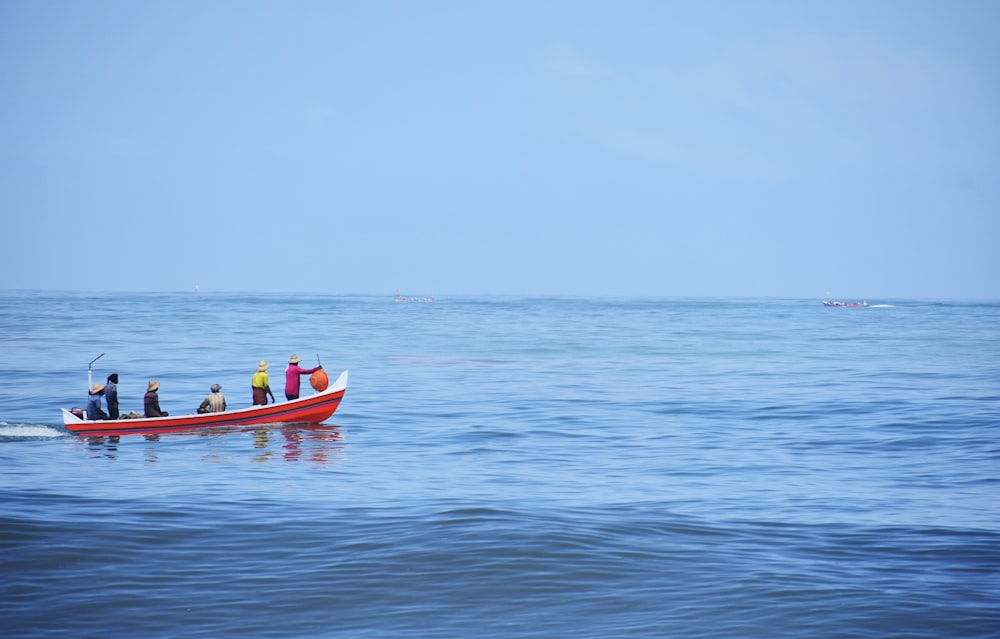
pixel 28 431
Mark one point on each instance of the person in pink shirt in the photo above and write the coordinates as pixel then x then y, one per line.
pixel 292 374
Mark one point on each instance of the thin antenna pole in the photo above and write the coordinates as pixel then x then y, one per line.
pixel 90 376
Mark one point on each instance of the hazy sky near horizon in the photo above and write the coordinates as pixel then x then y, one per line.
pixel 801 149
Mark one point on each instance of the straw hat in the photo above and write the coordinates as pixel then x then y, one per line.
pixel 96 389
pixel 294 359
pixel 153 385
pixel 263 366
pixel 216 388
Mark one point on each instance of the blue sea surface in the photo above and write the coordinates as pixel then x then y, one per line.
pixel 507 467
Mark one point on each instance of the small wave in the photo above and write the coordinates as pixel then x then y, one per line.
pixel 27 431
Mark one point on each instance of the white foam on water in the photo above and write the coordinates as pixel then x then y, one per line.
pixel 28 430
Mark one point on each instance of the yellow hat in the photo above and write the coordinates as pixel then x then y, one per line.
pixel 153 385
pixel 96 389
pixel 263 366
pixel 294 359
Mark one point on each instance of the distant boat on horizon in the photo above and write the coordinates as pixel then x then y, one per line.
pixel 402 298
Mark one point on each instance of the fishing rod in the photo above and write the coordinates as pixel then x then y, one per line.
pixel 90 375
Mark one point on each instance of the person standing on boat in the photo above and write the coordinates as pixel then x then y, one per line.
pixel 261 385
pixel 94 410
pixel 152 400
pixel 292 374
pixel 215 402
pixel 111 394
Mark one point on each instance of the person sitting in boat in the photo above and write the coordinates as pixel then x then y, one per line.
pixel 215 402
pixel 111 394
pixel 261 385
pixel 94 410
pixel 152 400
pixel 292 374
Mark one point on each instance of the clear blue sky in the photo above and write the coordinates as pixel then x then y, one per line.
pixel 803 149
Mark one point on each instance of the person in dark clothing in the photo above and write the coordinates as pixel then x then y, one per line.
pixel 152 400
pixel 94 410
pixel 111 394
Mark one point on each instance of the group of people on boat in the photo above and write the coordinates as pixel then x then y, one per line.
pixel 151 400
pixel 108 391
pixel 260 384
pixel 214 402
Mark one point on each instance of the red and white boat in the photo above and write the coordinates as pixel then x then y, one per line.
pixel 305 410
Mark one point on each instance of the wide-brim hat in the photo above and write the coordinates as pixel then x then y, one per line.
pixel 294 359
pixel 216 388
pixel 96 389
pixel 263 366
pixel 153 385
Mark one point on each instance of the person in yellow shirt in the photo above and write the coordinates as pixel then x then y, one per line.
pixel 261 385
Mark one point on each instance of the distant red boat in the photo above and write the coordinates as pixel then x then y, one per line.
pixel 305 410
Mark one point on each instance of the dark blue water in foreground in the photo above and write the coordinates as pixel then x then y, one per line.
pixel 507 467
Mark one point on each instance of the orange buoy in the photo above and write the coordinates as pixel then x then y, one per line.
pixel 319 380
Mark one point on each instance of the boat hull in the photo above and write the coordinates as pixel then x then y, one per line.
pixel 305 410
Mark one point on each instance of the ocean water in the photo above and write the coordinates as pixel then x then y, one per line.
pixel 508 467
